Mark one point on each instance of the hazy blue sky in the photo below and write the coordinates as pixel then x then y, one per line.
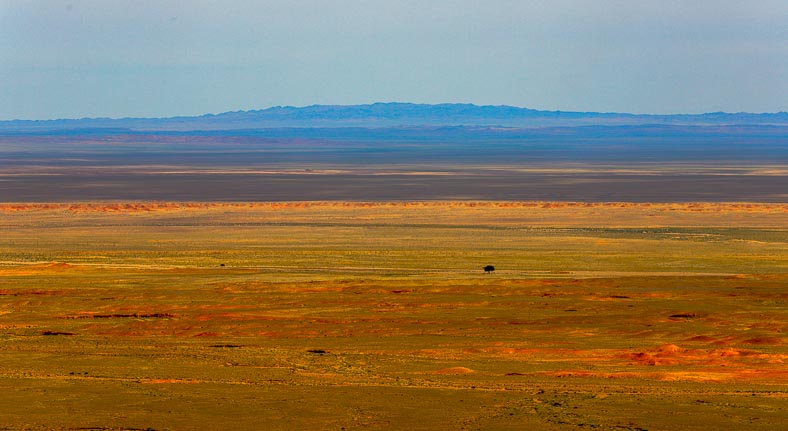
pixel 116 58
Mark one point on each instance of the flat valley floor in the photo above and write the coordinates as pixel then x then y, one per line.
pixel 310 315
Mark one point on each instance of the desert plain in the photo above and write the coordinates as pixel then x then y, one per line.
pixel 378 315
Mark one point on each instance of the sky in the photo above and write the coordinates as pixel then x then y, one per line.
pixel 155 58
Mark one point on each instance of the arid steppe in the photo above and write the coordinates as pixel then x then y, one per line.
pixel 172 316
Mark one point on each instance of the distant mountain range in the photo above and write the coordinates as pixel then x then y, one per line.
pixel 391 115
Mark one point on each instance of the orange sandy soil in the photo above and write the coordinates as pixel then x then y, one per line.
pixel 554 214
pixel 377 315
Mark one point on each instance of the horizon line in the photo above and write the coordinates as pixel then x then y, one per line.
pixel 315 105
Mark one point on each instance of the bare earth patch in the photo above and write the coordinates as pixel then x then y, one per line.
pixel 331 315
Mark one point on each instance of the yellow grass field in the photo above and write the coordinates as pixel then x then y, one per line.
pixel 332 315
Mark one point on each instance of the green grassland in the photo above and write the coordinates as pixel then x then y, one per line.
pixel 641 317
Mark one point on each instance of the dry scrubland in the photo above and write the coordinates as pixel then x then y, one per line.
pixel 364 316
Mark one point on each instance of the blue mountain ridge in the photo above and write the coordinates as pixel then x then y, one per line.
pixel 396 114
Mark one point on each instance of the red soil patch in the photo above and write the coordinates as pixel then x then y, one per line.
pixel 315 289
pixel 728 352
pixel 670 354
pixel 568 373
pixel 667 354
pixel 649 359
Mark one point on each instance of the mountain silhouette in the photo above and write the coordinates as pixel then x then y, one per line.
pixel 395 115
